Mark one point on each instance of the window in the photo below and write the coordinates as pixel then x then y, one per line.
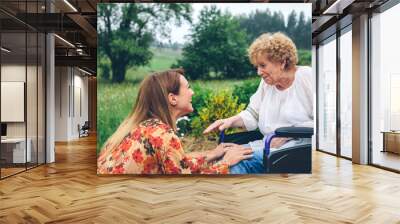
pixel 327 95
pixel 394 102
pixel 346 92
pixel 22 65
pixel 385 88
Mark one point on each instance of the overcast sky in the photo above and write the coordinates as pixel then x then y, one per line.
pixel 178 33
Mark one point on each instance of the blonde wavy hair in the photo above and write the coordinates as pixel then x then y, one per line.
pixel 277 47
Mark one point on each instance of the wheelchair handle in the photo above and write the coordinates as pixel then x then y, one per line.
pixel 268 143
pixel 222 136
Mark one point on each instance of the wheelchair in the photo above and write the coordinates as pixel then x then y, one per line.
pixel 84 129
pixel 296 159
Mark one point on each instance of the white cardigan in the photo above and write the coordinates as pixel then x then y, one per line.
pixel 270 108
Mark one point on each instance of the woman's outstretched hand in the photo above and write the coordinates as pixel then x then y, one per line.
pixel 236 154
pixel 220 125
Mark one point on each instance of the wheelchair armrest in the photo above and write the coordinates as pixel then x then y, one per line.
pixel 240 137
pixel 295 159
pixel 294 132
pixel 85 126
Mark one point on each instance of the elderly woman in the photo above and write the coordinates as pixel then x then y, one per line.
pixel 284 97
pixel 146 143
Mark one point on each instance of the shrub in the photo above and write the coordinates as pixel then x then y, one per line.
pixel 104 68
pixel 199 99
pixel 219 105
pixel 304 57
pixel 245 90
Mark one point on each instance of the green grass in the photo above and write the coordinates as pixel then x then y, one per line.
pixel 218 85
pixel 162 59
pixel 304 57
pixel 114 102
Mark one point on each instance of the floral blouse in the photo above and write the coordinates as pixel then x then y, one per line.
pixel 154 148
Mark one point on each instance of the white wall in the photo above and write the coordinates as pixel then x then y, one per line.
pixel 12 73
pixel 70 83
pixel 61 103
pixel 80 89
pixel 34 124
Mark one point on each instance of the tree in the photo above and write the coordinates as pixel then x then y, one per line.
pixel 127 30
pixel 300 29
pixel 256 23
pixel 278 22
pixel 292 23
pixel 218 47
pixel 297 27
pixel 259 22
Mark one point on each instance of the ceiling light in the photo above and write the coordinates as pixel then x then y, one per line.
pixel 65 41
pixel 338 6
pixel 86 72
pixel 5 50
pixel 79 51
pixel 70 5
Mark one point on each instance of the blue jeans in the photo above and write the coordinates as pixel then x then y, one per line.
pixel 255 164
pixel 252 165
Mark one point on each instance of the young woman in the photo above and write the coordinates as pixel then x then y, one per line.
pixel 146 143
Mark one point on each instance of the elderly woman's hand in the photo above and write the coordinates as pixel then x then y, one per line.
pixel 220 125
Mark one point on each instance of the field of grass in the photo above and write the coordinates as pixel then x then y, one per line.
pixel 162 59
pixel 114 102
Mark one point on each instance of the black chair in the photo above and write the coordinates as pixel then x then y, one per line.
pixel 296 159
pixel 84 130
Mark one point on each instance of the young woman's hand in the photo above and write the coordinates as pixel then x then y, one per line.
pixel 236 154
pixel 219 151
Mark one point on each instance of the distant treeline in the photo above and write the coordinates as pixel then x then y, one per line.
pixel 297 26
